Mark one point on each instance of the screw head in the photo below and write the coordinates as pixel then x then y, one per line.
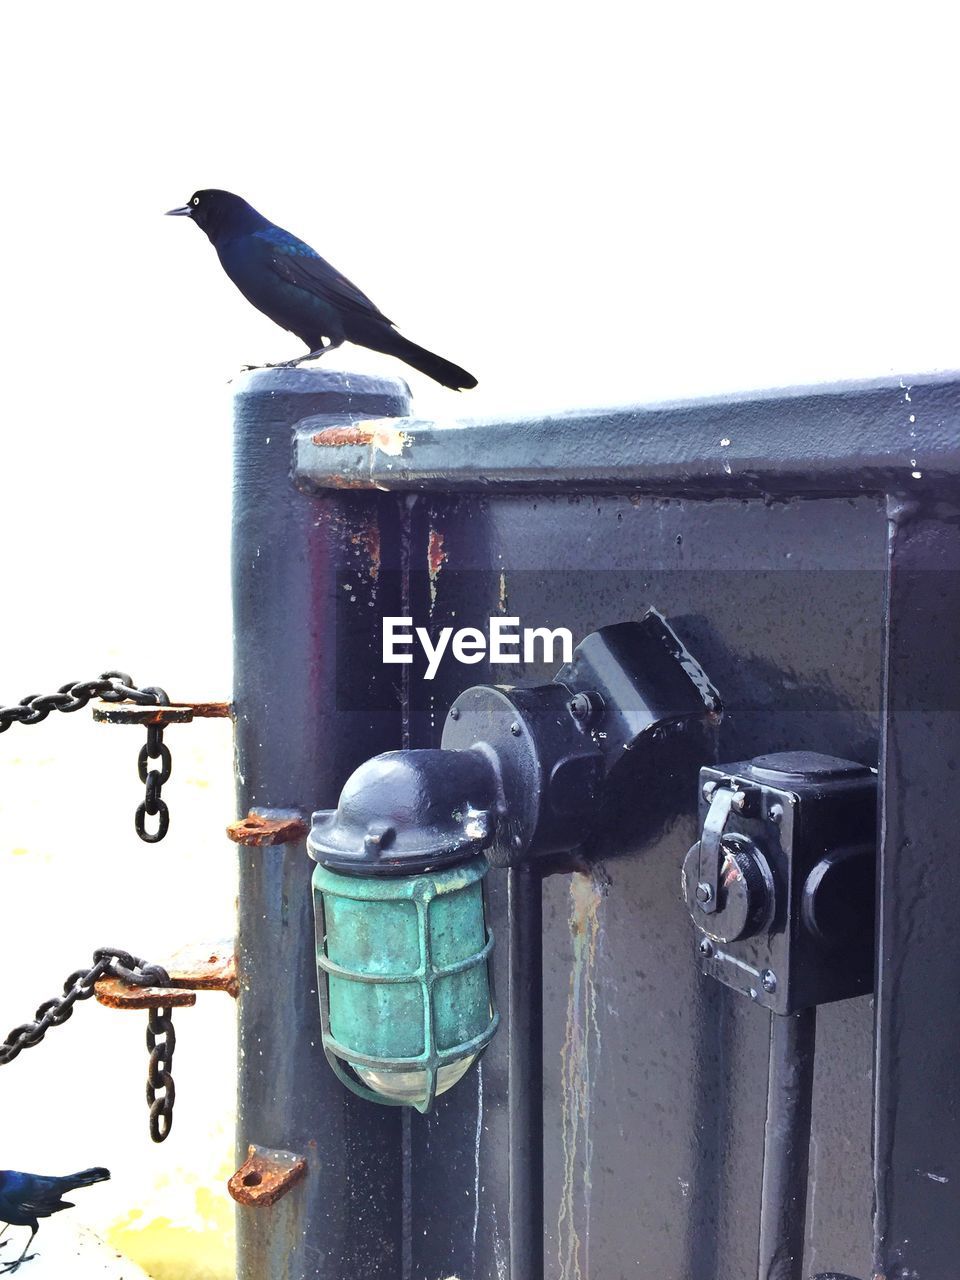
pixel 515 728
pixel 708 789
pixel 776 813
pixel 704 892
pixel 705 948
pixel 454 713
pixel 581 707
pixel 768 980
pixel 739 800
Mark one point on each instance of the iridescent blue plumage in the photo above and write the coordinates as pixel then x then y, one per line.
pixel 288 281
pixel 27 1197
pixel 285 241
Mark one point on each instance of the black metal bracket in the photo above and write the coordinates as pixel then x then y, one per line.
pixel 781 883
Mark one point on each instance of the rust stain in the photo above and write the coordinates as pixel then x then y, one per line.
pixel 435 558
pixel 205 967
pixel 384 435
pixel 578 1055
pixel 256 830
pixel 265 1176
pixel 210 710
pixel 114 993
pixel 336 437
pixel 368 541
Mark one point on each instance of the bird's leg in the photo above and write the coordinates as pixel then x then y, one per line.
pixel 311 355
pixel 24 1257
pixel 292 364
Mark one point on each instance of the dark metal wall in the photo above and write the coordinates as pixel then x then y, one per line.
pixel 760 529
pixel 654 1078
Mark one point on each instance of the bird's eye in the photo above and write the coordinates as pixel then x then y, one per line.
pixel 195 200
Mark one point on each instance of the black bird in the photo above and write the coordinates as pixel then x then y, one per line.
pixel 289 282
pixel 27 1197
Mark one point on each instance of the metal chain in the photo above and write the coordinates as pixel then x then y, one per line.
pixel 112 686
pixel 161 1042
pixel 152 805
pixel 80 986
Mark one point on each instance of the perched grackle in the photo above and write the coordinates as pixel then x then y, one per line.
pixel 27 1197
pixel 289 282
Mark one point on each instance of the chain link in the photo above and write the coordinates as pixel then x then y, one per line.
pixel 161 1094
pixel 161 1039
pixel 112 686
pixel 154 779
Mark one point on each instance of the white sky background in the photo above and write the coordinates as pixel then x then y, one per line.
pixel 581 203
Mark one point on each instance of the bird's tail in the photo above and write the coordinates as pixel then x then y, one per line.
pixel 85 1178
pixel 443 371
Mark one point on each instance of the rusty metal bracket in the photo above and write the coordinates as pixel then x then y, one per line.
pixel 269 826
pixel 155 717
pixel 266 1175
pixel 178 713
pixel 193 968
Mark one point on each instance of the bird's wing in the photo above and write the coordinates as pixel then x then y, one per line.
pixel 298 264
pixel 41 1202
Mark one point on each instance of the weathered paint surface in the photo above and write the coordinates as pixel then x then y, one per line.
pixel 579 1055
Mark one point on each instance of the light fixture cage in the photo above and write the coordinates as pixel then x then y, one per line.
pixel 368 921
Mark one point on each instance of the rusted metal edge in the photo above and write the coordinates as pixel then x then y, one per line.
pixel 209 710
pixel 178 713
pixel 265 1176
pixel 269 826
pixel 114 993
pixel 133 713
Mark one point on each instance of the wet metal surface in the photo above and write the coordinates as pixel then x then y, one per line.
pixel 757 525
pixel 918 1031
pixel 655 1078
pixel 880 436
pixel 266 1176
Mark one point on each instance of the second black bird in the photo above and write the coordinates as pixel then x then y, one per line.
pixel 289 282
pixel 25 1198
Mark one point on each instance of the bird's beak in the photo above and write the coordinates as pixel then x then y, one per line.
pixel 183 212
